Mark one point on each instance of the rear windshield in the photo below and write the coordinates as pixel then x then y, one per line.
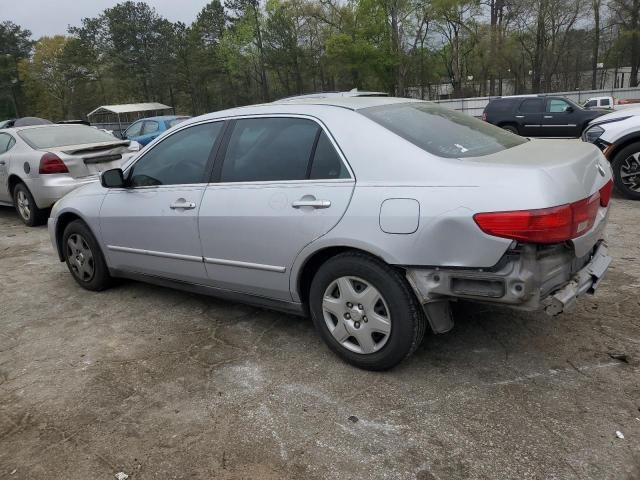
pixel 63 135
pixel 442 131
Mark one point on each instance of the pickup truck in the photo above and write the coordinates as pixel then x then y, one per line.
pixel 611 103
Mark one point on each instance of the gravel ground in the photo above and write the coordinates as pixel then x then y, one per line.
pixel 162 384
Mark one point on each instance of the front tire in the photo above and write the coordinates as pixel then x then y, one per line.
pixel 626 171
pixel 365 311
pixel 26 207
pixel 84 257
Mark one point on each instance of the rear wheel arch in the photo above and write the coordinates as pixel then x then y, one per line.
pixel 509 124
pixel 313 263
pixel 13 181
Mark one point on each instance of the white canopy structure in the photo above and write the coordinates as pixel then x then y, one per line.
pixel 118 117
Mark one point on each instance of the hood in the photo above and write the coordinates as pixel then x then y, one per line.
pixel 616 115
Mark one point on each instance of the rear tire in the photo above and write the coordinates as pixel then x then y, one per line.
pixel 365 311
pixel 84 257
pixel 626 171
pixel 26 207
pixel 510 128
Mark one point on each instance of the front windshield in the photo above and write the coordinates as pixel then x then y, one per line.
pixel 63 135
pixel 442 131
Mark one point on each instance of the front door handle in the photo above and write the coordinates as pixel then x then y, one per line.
pixel 181 204
pixel 519 116
pixel 548 116
pixel 311 203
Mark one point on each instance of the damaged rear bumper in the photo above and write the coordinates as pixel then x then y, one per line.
pixel 585 281
pixel 528 278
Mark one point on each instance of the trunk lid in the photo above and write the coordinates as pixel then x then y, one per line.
pixel 90 159
pixel 574 170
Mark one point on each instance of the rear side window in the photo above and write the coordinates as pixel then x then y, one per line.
pixel 6 142
pixel 499 106
pixel 605 102
pixel 326 161
pixel 532 105
pixel 175 121
pixel 269 149
pixel 179 159
pixel 441 131
pixel 64 135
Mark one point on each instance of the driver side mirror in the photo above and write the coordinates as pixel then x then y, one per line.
pixel 113 178
pixel 569 109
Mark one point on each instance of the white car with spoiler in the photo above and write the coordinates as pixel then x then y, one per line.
pixel 40 164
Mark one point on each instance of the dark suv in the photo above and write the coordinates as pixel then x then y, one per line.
pixel 539 116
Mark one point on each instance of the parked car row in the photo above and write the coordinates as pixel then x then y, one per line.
pixel 539 116
pixel 371 214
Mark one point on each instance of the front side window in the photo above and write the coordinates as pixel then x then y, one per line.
pixel 150 127
pixel 134 130
pixel 269 149
pixel 532 105
pixel 442 131
pixel 179 159
pixel 591 103
pixel 557 106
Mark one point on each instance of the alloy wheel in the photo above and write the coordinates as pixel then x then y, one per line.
pixel 23 204
pixel 356 314
pixel 80 257
pixel 630 172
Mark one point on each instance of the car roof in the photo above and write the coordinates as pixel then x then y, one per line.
pixel 164 117
pixel 349 102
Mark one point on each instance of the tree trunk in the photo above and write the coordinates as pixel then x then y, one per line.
pixel 596 44
pixel 634 25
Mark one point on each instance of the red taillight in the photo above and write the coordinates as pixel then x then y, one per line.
pixel 605 193
pixel 51 163
pixel 546 225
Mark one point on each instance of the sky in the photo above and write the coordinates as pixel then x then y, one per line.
pixel 52 17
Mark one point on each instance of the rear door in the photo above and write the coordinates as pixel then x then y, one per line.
pixel 280 184
pixel 559 119
pixel 6 142
pixel 529 116
pixel 151 227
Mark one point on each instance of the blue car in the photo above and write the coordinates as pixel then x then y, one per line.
pixel 146 129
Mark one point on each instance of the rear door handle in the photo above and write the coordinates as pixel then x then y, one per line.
pixel 311 203
pixel 519 116
pixel 548 116
pixel 182 205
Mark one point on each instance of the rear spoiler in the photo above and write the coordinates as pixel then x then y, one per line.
pixel 97 148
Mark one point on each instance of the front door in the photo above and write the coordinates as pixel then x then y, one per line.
pixel 151 227
pixel 559 119
pixel 529 116
pixel 281 185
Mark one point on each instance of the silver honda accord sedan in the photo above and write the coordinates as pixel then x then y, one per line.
pixel 369 214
